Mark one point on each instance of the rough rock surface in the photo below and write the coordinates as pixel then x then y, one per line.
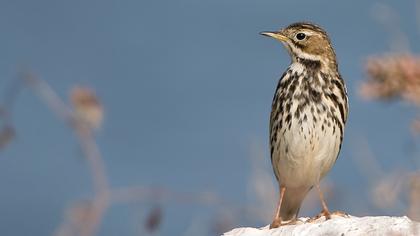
pixel 342 226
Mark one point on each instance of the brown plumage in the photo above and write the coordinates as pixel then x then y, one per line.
pixel 309 112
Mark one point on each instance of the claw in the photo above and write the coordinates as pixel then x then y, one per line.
pixel 340 213
pixel 277 223
pixel 328 215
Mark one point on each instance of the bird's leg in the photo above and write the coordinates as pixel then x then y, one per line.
pixel 325 212
pixel 277 218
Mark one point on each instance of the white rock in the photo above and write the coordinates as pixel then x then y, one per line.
pixel 341 226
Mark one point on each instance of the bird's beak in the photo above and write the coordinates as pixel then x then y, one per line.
pixel 277 35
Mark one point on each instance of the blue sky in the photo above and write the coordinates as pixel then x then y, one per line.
pixel 187 88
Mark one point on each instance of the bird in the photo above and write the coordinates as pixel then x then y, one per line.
pixel 308 116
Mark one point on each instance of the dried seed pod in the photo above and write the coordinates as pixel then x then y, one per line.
pixel 87 107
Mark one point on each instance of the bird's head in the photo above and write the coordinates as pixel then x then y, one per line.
pixel 306 41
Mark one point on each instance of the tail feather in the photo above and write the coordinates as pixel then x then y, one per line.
pixel 292 200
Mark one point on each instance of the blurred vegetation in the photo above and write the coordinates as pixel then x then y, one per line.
pixel 393 76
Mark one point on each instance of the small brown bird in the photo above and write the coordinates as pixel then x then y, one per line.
pixel 308 115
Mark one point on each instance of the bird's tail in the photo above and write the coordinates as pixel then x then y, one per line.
pixel 292 200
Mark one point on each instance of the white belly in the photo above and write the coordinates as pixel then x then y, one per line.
pixel 306 151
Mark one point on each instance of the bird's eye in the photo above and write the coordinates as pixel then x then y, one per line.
pixel 300 36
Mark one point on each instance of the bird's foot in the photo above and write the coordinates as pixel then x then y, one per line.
pixel 324 213
pixel 328 215
pixel 340 213
pixel 277 223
